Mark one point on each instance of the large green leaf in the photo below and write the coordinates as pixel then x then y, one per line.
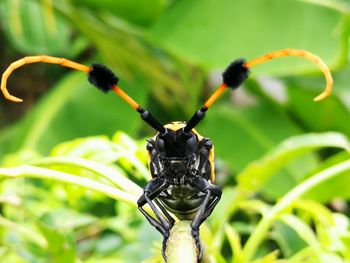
pixel 213 32
pixel 261 175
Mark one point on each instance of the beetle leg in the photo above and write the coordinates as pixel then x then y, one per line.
pixel 213 195
pixel 153 222
pixel 163 224
pixel 165 212
pixel 197 221
pixel 151 191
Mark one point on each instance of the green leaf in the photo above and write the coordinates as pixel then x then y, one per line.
pixel 332 237
pixel 108 243
pixel 140 12
pixel 320 214
pixel 87 147
pixel 341 5
pixel 269 258
pixel 73 164
pixel 301 228
pixel 338 187
pixel 213 32
pixel 61 247
pixel 256 174
pixel 125 48
pixel 287 201
pixel 58 218
pixel 306 255
pixel 327 115
pixel 22 230
pixel 242 135
pixel 235 243
pixel 287 239
pixel 326 257
pixel 42 173
pixel 32 27
pixel 102 150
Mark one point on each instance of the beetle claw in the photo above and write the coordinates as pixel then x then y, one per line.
pixel 195 234
pixel 165 240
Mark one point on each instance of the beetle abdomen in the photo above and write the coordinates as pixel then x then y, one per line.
pixel 183 201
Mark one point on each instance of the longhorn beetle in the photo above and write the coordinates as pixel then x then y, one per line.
pixel 181 161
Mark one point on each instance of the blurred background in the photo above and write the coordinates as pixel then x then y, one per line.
pixel 169 56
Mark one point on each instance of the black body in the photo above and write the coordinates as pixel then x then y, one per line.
pixel 182 171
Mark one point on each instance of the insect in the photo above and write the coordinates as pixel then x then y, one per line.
pixel 181 161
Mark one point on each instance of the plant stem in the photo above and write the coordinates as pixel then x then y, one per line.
pixel 36 172
pixel 181 247
pixel 268 219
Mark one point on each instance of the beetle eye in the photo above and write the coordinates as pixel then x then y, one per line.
pixel 160 145
pixel 191 145
pixel 149 146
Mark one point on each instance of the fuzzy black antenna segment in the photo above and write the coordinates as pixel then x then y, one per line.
pixel 235 74
pixel 102 77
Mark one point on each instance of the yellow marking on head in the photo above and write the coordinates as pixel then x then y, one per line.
pixel 175 125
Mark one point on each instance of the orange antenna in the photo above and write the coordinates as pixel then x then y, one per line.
pixel 299 53
pixel 99 75
pixel 36 59
pixel 237 72
pixel 236 68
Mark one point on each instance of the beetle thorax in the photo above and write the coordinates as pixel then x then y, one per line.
pixel 175 154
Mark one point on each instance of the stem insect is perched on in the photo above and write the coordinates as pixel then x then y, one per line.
pixel 181 160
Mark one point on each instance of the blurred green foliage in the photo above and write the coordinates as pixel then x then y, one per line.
pixel 269 137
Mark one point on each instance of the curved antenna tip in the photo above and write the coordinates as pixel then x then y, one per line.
pixel 13 98
pixel 36 59
pixel 322 96
pixel 301 53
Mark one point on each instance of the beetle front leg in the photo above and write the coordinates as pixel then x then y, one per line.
pixel 165 221
pixel 212 197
